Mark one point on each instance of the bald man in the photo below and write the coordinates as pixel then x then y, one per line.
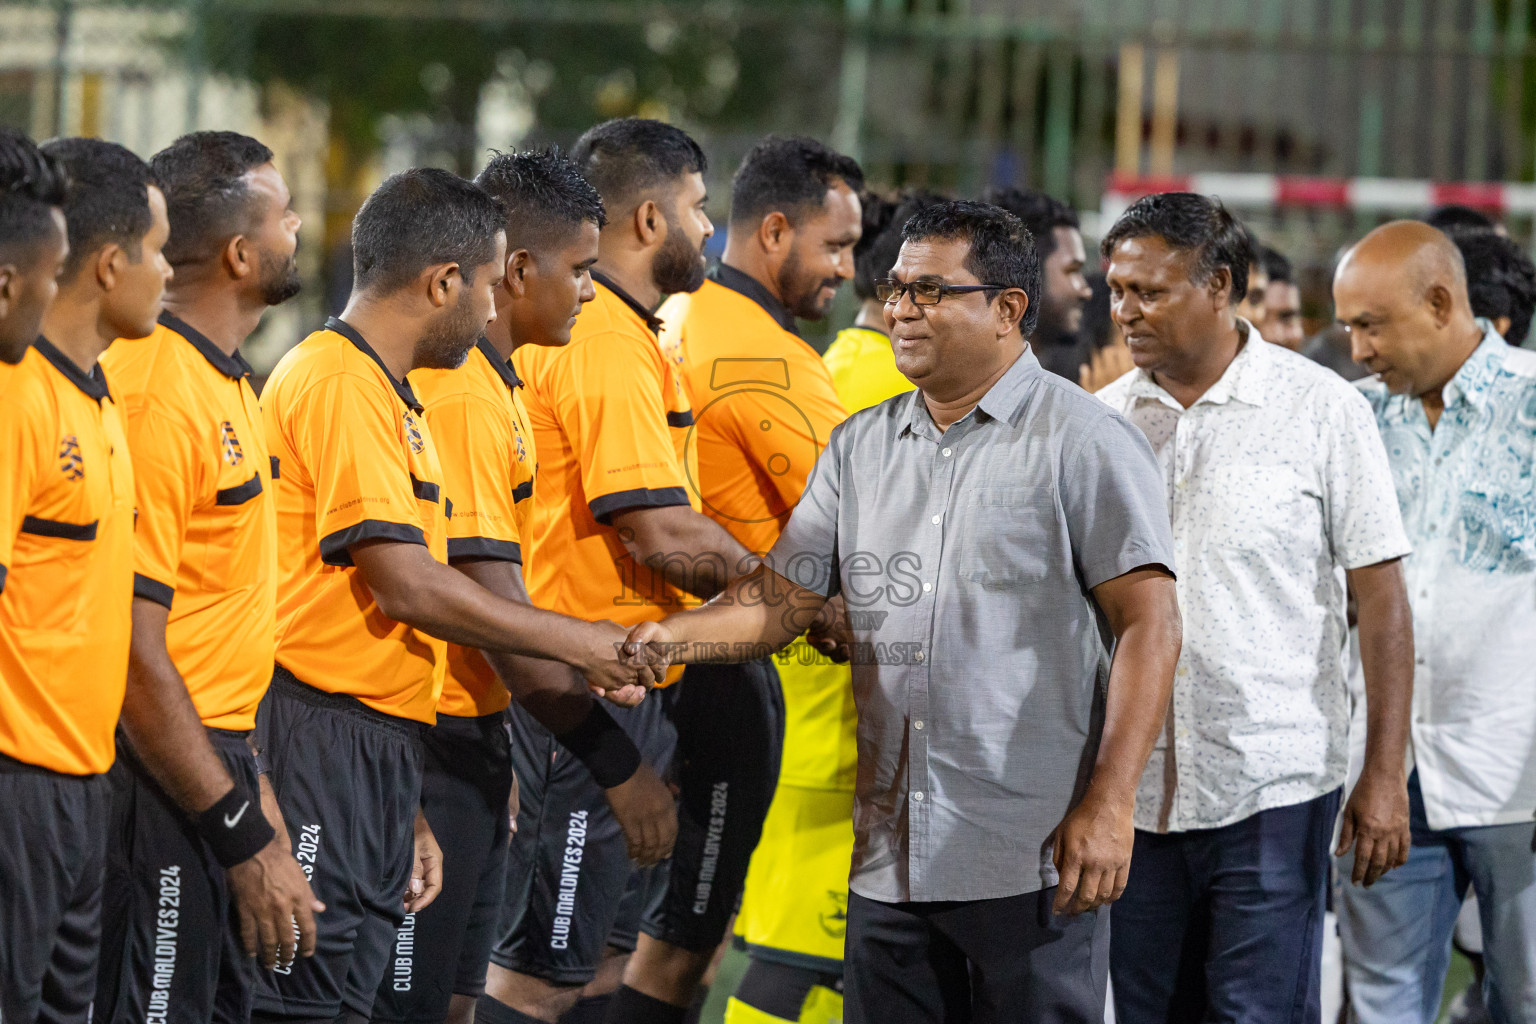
pixel 1456 407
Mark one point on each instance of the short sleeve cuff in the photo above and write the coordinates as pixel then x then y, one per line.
pixel 814 571
pixel 604 506
pixel 1129 559
pixel 152 590
pixel 335 547
pixel 483 549
pixel 1375 554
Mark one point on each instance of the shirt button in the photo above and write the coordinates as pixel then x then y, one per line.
pixel 1183 670
pixel 918 724
pixel 1418 661
pixel 947 452
pixel 936 520
pixel 918 796
pixel 927 587
pixel 918 657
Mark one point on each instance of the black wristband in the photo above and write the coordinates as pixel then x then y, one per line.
pixel 603 746
pixel 234 828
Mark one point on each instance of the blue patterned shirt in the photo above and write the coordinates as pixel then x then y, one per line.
pixel 1468 497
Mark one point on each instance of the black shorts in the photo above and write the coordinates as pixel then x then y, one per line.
pixel 572 889
pixel 348 781
pixel 444 950
pixel 170 940
pixel 53 842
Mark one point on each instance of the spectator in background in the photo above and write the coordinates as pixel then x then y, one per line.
pixel 1453 404
pixel 1250 304
pixel 1501 280
pixel 1454 216
pixel 1280 490
pixel 1282 302
pixel 860 360
pixel 1057 340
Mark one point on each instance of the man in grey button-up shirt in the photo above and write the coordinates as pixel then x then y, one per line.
pixel 992 535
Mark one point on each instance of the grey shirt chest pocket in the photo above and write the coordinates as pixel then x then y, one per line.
pixel 1003 536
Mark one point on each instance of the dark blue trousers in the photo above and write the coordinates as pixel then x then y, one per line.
pixel 1225 924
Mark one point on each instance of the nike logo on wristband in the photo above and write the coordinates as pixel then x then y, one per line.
pixel 231 820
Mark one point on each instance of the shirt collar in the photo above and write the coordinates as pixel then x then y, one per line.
pixel 652 321
pixel 402 388
pixel 1242 381
pixel 232 366
pixel 752 288
pixel 503 367
pixel 1477 374
pixel 92 385
pixel 1002 401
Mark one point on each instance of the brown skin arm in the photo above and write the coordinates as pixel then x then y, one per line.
pixel 1093 843
pixel 412 587
pixel 756 615
pixel 269 890
pixel 558 698
pixel 1375 819
pixel 692 551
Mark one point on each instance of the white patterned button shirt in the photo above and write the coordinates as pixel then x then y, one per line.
pixel 1277 483
pixel 1468 495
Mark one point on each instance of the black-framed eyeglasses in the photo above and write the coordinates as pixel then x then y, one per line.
pixel 927 293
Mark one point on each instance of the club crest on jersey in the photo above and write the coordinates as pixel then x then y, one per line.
pixel 413 434
pixel 71 461
pixel 233 453
pixel 522 450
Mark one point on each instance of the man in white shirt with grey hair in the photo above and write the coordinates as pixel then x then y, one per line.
pixel 1279 490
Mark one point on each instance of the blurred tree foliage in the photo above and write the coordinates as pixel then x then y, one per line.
pixel 707 64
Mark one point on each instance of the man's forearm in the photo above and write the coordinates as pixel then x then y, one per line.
pixel 688 549
pixel 758 614
pixel 161 722
pixel 413 588
pixel 469 615
pixel 1386 657
pixel 1140 685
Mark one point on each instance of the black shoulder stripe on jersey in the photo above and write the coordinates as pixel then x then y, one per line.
pixel 64 531
pixel 152 590
pixel 241 494
pixel 334 547
pixel 423 490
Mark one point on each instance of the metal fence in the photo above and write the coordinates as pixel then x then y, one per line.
pixel 955 94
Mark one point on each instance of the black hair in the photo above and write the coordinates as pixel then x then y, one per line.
pixel 422 218
pixel 630 159
pixel 544 194
pixel 1194 224
pixel 32 183
pixel 1453 215
pixel 879 252
pixel 1501 280
pixel 1275 265
pixel 108 198
pixel 1002 252
pixel 209 202
pixel 790 176
pixel 1041 213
